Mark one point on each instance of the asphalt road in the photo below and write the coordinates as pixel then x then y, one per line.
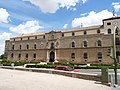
pixel 97 71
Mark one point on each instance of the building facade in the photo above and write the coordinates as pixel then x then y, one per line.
pixel 82 45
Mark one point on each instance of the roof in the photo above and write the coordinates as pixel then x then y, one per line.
pixel 64 31
pixel 115 17
pixel 82 29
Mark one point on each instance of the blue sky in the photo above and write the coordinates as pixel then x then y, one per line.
pixel 29 16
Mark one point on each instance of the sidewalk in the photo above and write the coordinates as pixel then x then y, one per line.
pixel 21 80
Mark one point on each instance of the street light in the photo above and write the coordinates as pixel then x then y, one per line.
pixel 114 53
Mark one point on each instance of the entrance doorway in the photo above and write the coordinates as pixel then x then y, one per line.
pixel 52 56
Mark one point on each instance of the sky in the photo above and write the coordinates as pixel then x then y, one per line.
pixel 19 17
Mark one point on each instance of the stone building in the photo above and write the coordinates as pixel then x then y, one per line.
pixel 81 45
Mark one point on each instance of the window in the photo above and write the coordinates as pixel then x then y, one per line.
pixel 85 43
pixel 109 31
pixel 13 47
pixel 34 55
pixel 109 23
pixel 52 45
pixel 35 37
pixel 85 32
pixel 73 55
pixel 57 44
pixel 27 46
pixel 99 43
pixel 19 56
pixel 20 47
pixel 62 34
pixel 98 31
pixel 41 45
pixel 26 55
pixel 34 46
pixel 52 36
pixel 117 41
pixel 85 56
pixel 12 55
pixel 73 44
pixel 99 55
pixel 73 34
pixel 116 32
pixel 44 37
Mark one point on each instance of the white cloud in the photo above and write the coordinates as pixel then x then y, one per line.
pixel 116 6
pixel 65 26
pixel 28 27
pixel 51 6
pixel 4 15
pixel 5 36
pixel 2 47
pixel 92 18
pixel 84 1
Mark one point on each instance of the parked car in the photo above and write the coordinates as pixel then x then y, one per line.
pixel 65 68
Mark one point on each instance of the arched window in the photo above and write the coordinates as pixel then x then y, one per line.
pixel 27 46
pixel 109 31
pixel 85 43
pixel 27 55
pixel 12 55
pixel 34 55
pixel 99 55
pixel 13 46
pixel 99 43
pixel 73 55
pixel 20 47
pixel 73 44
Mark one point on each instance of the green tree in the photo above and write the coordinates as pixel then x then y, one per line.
pixel 2 56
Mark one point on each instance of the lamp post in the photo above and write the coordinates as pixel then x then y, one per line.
pixel 114 53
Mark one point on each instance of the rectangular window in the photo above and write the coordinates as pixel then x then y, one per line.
pixel 85 32
pixel 44 37
pixel 109 23
pixel 62 34
pixel 12 55
pixel 85 56
pixel 35 37
pixel 99 55
pixel 13 47
pixel 73 55
pixel 117 41
pixel 73 34
pixel 19 56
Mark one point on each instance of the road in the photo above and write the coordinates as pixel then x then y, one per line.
pixel 97 71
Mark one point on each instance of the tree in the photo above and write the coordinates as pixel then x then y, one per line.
pixel 2 56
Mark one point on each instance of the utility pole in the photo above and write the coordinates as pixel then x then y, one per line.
pixel 114 53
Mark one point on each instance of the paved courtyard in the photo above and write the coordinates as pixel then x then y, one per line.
pixel 22 80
